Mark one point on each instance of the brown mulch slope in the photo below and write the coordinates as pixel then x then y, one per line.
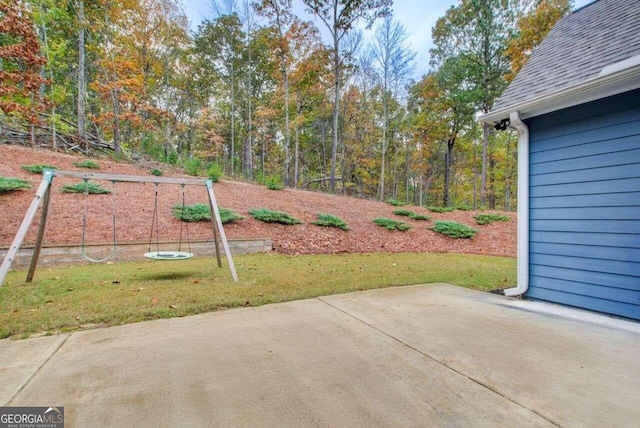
pixel 134 207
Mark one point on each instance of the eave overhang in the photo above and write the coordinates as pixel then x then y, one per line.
pixel 615 79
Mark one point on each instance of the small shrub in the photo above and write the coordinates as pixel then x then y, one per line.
pixel 37 169
pixel 454 229
pixel 191 213
pixel 422 217
pixel 215 172
pixel 412 215
pixel 441 209
pixel 10 184
pixel 483 219
pixel 192 166
pixel 389 224
pixel 92 188
pixel 274 183
pixel 88 163
pixel 395 202
pixel 268 216
pixel 464 207
pixel 329 220
pixel 157 172
pixel 229 216
pixel 172 158
pixel 405 213
pixel 202 212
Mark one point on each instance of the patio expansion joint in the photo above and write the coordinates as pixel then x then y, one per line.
pixel 443 364
pixel 35 373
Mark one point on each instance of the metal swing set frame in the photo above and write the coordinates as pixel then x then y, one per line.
pixel 43 196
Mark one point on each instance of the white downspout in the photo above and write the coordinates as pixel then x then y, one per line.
pixel 523 207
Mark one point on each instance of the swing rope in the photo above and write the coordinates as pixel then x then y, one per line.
pixel 154 221
pixel 168 255
pixel 83 251
pixel 183 223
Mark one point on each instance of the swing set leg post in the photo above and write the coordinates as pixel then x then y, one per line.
pixel 223 237
pixel 40 238
pixel 216 243
pixel 26 223
pixel 214 227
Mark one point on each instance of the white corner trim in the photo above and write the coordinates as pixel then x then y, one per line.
pixel 523 206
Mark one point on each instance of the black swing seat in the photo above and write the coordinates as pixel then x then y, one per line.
pixel 168 255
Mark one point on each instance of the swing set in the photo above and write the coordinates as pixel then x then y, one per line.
pixel 43 195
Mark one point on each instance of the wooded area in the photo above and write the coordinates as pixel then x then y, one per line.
pixel 256 90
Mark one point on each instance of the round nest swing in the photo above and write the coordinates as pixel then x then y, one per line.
pixel 168 255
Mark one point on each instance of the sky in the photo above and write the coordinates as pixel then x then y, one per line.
pixel 417 16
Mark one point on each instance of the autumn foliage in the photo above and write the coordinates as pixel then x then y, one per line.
pixel 532 29
pixel 260 92
pixel 20 78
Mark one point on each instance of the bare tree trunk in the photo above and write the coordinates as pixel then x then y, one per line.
pixel 297 152
pixel 167 137
pixel 485 144
pixel 32 128
pixel 324 147
pixel 81 73
pixel 233 116
pixel 45 39
pixel 384 146
pixel 475 177
pixel 336 101
pixel 263 149
pixel 248 149
pixel 507 179
pixel 447 167
pixel 116 122
pixel 287 136
pixel 407 173
pixel 248 161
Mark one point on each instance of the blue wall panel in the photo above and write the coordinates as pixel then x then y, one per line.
pixel 578 276
pixel 594 188
pixel 585 206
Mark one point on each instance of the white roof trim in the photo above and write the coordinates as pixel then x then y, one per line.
pixel 620 77
pixel 620 66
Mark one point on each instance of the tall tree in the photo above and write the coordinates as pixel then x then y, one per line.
pixel 136 64
pixel 308 81
pixel 218 51
pixel 339 17
pixel 249 20
pixel 229 9
pixel 477 33
pixel 82 86
pixel 279 13
pixel 394 61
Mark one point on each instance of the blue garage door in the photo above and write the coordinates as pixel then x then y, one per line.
pixel 585 206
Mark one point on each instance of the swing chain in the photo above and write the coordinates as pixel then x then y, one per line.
pixel 154 221
pixel 182 222
pixel 83 252
pixel 168 255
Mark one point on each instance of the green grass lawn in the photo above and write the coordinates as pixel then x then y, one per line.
pixel 71 298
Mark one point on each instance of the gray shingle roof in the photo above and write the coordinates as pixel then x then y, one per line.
pixel 577 49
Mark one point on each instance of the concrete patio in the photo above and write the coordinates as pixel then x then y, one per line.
pixel 430 355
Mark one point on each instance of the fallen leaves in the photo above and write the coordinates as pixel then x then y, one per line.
pixel 497 239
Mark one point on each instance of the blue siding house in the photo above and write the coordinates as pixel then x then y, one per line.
pixel 576 108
